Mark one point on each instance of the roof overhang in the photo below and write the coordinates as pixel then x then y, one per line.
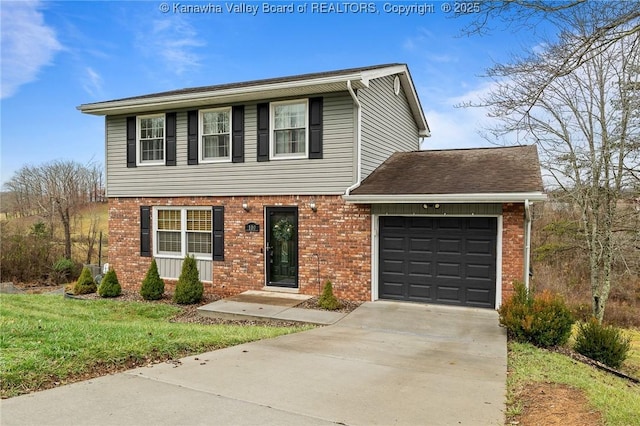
pixel 509 197
pixel 263 90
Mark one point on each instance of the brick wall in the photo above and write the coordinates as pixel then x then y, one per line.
pixel 512 247
pixel 334 243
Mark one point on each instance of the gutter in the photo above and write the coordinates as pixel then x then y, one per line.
pixel 506 197
pixel 527 242
pixel 358 141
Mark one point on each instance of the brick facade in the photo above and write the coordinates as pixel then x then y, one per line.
pixel 512 246
pixel 334 243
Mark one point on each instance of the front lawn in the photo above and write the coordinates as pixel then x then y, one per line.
pixel 617 399
pixel 48 340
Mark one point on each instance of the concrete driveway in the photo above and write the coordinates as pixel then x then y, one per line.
pixel 386 363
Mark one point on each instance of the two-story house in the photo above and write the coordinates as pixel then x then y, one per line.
pixel 288 182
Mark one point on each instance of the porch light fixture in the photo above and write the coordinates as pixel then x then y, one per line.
pixel 312 206
pixel 245 206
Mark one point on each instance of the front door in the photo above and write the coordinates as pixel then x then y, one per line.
pixel 281 251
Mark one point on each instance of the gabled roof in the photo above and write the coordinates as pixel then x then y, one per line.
pixel 507 174
pixel 281 87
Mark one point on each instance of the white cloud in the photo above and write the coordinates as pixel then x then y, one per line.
pixel 28 44
pixel 457 127
pixel 174 41
pixel 92 82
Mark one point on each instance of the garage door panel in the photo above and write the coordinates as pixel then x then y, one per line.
pixel 479 272
pixel 438 260
pixel 394 289
pixel 449 224
pixel 391 266
pixel 449 245
pixel 479 297
pixel 449 294
pixel 481 224
pixel 422 269
pixel 422 293
pixel 421 245
pixel 448 270
pixel 480 247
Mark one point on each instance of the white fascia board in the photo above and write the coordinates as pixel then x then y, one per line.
pixel 514 197
pixel 367 76
pixel 407 84
pixel 234 94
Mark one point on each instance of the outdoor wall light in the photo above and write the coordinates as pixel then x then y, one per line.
pixel 312 206
pixel 245 206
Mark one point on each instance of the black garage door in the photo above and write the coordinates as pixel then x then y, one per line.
pixel 438 260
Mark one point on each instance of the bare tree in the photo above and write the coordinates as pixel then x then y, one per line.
pixel 56 189
pixel 584 118
pixel 587 28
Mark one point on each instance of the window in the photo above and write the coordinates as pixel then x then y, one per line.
pixel 182 231
pixel 289 129
pixel 151 139
pixel 199 231
pixel 215 135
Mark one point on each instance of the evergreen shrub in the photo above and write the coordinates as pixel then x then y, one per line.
pixel 606 344
pixel 327 299
pixel 544 320
pixel 85 283
pixel 189 288
pixel 152 286
pixel 110 286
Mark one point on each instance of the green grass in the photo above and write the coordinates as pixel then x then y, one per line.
pixel 46 339
pixel 632 364
pixel 617 399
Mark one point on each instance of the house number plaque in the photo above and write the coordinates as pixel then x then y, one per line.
pixel 252 227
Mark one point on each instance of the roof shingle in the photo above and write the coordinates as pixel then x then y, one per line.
pixel 458 171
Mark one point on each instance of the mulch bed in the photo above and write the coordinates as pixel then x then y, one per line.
pixel 190 313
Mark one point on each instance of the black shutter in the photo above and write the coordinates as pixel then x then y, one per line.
pixel 237 134
pixel 131 141
pixel 170 138
pixel 145 231
pixel 218 233
pixel 315 128
pixel 263 132
pixel 192 137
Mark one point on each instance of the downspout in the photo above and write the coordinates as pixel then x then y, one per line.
pixel 358 140
pixel 527 243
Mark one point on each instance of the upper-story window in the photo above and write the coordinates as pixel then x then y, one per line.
pixel 215 135
pixel 151 139
pixel 290 129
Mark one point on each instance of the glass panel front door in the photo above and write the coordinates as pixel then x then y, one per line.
pixel 282 246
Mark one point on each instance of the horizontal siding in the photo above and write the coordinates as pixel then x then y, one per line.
pixel 330 175
pixel 387 124
pixel 444 209
pixel 170 269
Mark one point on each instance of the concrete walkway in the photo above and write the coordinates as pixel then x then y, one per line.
pixel 385 363
pixel 267 305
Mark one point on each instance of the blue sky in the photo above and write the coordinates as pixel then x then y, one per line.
pixel 57 55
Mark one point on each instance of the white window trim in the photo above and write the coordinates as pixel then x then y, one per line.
pixel 272 129
pixel 183 233
pixel 139 161
pixel 200 134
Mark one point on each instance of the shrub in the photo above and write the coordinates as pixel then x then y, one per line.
pixel 327 300
pixel 544 320
pixel 152 285
pixel 189 288
pixel 85 283
pixel 25 255
pixel 110 286
pixel 601 343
